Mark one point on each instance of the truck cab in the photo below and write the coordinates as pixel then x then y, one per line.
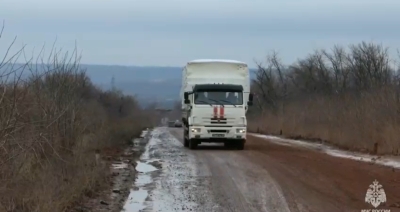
pixel 214 105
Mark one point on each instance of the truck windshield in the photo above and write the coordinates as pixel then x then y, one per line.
pixel 213 97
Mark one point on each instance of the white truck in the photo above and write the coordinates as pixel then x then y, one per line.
pixel 215 97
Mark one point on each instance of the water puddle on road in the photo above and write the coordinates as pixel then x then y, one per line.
pixel 137 197
pixel 136 200
pixel 145 168
pixel 143 180
pixel 164 180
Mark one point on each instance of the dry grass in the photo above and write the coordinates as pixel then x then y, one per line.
pixel 51 125
pixel 366 120
pixel 347 122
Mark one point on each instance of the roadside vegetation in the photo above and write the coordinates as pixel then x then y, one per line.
pixel 346 96
pixel 53 121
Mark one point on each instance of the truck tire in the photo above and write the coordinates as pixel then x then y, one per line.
pixel 230 144
pixel 185 140
pixel 240 145
pixel 192 144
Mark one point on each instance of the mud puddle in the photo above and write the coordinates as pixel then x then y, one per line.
pixel 167 177
pixel 123 174
pixel 139 195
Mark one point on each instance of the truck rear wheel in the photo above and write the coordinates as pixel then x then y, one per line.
pixel 192 144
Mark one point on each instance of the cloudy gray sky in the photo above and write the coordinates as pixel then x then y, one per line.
pixel 171 32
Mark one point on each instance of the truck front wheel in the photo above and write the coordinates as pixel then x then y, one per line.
pixel 240 145
pixel 230 144
pixel 192 144
pixel 185 140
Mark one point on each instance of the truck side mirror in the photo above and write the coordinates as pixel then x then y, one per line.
pixel 250 102
pixel 186 97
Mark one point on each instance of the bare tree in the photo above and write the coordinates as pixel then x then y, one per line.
pixel 270 84
pixel 52 120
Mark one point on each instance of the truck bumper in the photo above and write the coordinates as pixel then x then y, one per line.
pixel 217 134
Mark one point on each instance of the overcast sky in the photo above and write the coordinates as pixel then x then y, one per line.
pixel 171 32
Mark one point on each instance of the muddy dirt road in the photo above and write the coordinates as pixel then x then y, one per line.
pixel 263 177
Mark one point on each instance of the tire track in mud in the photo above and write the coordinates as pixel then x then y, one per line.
pixel 208 180
pixel 178 184
pixel 237 183
pixel 314 181
pixel 244 186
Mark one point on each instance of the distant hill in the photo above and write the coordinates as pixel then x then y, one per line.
pixel 148 83
pixel 161 84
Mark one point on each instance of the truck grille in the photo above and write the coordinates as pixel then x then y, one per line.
pixel 217 131
pixel 220 121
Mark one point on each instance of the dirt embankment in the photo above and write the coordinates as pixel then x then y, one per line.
pixel 122 164
pixel 372 129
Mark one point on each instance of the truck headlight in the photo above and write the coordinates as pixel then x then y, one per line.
pixel 240 130
pixel 195 130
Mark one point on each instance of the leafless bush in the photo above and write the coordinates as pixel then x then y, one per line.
pixel 52 121
pixel 349 97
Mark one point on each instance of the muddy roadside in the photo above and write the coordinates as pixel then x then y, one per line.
pixel 122 178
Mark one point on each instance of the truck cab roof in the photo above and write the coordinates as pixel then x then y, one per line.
pixel 217 61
